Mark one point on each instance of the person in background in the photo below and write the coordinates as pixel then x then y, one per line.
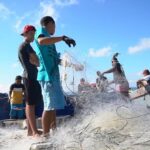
pixel 101 81
pixel 145 80
pixel 83 86
pixel 30 62
pixel 48 73
pixel 16 97
pixel 119 78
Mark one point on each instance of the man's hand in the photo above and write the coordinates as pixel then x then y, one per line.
pixel 69 41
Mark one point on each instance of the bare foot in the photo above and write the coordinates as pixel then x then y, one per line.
pixel 29 134
pixel 36 135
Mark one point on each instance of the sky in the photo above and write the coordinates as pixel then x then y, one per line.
pixel 100 28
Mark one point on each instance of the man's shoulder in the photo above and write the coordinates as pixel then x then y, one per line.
pixel 12 84
pixel 23 46
pixel 41 31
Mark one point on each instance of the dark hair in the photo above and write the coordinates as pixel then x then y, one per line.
pixel 97 71
pixel 114 58
pixel 119 68
pixel 146 71
pixel 45 20
pixel 82 79
pixel 18 78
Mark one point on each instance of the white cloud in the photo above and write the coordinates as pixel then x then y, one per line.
pixel 46 8
pixel 49 8
pixel 65 2
pixel 4 11
pixel 144 44
pixel 101 52
pixel 19 23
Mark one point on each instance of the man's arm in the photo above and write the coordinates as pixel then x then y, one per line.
pixel 34 59
pixel 49 40
pixel 109 71
pixel 52 40
pixel 10 92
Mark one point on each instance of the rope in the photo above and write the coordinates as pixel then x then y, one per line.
pixel 134 117
pixel 69 88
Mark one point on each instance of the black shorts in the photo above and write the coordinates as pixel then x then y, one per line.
pixel 33 94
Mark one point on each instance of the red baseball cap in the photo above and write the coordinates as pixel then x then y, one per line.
pixel 28 28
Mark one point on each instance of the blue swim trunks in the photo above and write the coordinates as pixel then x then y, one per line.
pixel 53 96
pixel 17 111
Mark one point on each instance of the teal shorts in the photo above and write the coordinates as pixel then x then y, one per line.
pixel 53 96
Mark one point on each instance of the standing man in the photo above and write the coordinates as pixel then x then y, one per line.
pixel 48 74
pixel 16 96
pixel 30 62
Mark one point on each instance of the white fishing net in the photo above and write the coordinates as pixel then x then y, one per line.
pixel 103 121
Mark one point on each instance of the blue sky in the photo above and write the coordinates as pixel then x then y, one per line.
pixel 100 28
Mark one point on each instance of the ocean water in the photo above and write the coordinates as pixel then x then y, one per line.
pixel 103 121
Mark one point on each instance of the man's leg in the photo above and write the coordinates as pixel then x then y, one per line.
pixel 46 120
pixel 31 120
pixel 53 120
pixel 29 132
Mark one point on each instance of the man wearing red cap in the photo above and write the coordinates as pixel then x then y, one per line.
pixel 30 62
